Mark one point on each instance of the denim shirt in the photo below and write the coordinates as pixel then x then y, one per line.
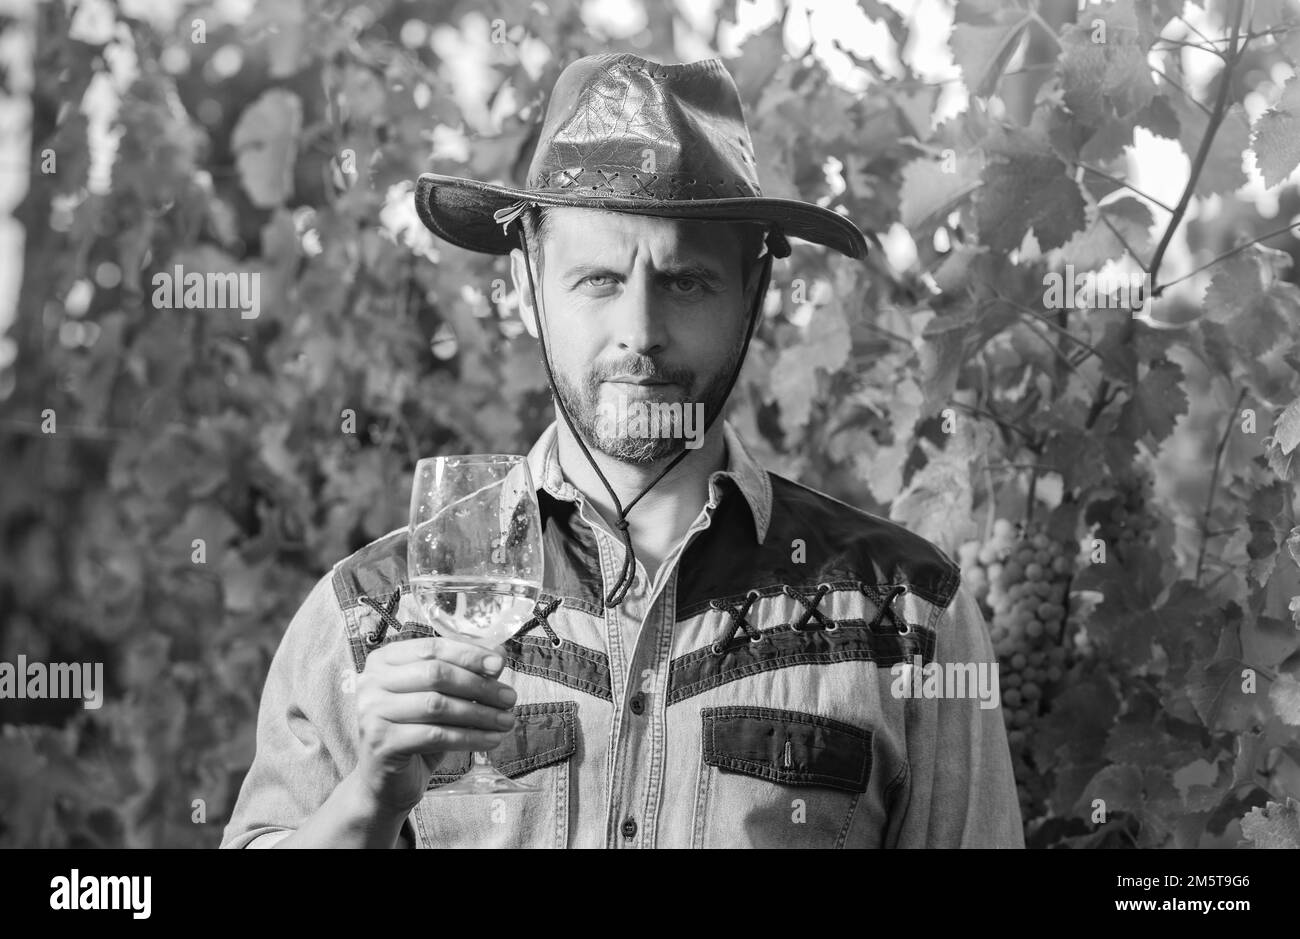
pixel 748 697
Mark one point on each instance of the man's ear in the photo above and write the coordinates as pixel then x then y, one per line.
pixel 527 307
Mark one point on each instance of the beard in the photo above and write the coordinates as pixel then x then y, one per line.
pixel 606 415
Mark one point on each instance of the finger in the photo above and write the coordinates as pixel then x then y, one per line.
pixel 432 707
pixel 430 738
pixel 447 678
pixel 465 654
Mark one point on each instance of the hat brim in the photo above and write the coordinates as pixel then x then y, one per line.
pixel 461 211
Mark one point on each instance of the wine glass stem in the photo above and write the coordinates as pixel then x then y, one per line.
pixel 482 758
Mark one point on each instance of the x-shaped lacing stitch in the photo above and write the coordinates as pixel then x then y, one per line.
pixel 386 617
pixel 540 612
pixel 887 606
pixel 644 186
pixel 738 621
pixel 810 607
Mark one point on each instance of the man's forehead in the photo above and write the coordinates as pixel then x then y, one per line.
pixel 589 231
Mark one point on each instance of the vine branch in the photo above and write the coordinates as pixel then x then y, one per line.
pixel 1186 94
pixel 1202 152
pixel 1122 240
pixel 1214 481
pixel 1062 331
pixel 1223 257
pixel 1105 395
pixel 1126 185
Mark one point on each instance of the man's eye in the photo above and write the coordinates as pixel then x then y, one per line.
pixel 591 279
pixel 686 284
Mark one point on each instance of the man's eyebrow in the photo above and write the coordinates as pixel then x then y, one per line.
pixel 579 271
pixel 700 271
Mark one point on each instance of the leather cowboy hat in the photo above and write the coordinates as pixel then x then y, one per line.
pixel 624 134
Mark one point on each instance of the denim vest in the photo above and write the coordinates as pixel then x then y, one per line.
pixel 747 698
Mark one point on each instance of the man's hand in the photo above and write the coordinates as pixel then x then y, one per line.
pixel 418 698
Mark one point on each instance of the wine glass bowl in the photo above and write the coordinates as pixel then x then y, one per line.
pixel 475 564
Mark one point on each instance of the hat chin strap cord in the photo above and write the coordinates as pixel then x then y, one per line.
pixel 628 574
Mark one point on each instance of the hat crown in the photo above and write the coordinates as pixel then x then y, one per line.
pixel 620 125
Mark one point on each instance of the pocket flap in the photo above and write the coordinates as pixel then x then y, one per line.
pixel 787 747
pixel 543 734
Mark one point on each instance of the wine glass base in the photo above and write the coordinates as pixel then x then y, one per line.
pixel 483 781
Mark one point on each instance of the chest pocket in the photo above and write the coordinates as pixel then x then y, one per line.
pixel 540 749
pixel 776 778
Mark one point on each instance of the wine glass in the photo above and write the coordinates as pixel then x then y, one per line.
pixel 474 560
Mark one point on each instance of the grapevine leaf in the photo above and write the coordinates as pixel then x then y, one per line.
pixel 1199 798
pixel 1143 743
pixel 1286 432
pixel 940 491
pixel 1215 344
pixel 1076 728
pixel 1276 825
pixel 1216 687
pixel 794 377
pixel 1109 140
pixel 1293 540
pixel 1128 622
pixel 1125 218
pixel 982 52
pixel 1156 404
pixel 1027 187
pixel 760 58
pixel 1284 695
pixel 1234 282
pixel 1077 456
pixel 1199 772
pixel 929 191
pixel 916 107
pixel 1246 295
pixel 1275 139
pixel 265 141
pixel 1278 462
pixel 881 12
pixel 1110 76
pixel 940 355
pixel 1119 787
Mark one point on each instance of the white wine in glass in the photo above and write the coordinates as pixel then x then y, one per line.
pixel 474 561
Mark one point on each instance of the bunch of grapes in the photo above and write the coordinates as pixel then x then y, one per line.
pixel 1123 520
pixel 1021 579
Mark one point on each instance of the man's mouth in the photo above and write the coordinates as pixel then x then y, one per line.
pixel 637 381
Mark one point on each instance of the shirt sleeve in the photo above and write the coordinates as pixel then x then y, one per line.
pixel 962 790
pixel 306 727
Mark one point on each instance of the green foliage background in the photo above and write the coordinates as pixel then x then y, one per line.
pixel 943 396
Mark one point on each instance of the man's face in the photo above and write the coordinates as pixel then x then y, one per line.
pixel 645 319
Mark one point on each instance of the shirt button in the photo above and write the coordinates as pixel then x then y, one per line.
pixel 629 827
pixel 638 704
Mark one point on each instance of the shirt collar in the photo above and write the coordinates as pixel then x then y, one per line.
pixel 742 469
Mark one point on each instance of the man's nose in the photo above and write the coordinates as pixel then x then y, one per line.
pixel 638 318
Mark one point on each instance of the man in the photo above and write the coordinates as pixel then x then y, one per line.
pixel 720 656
